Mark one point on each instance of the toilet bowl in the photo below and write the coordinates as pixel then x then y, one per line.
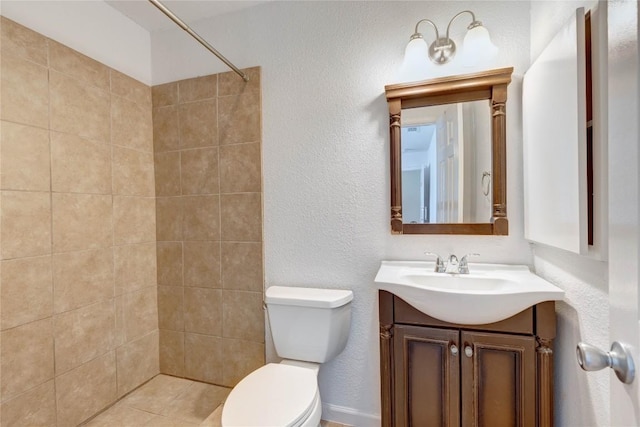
pixel 309 327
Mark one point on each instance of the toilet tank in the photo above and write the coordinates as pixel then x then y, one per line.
pixel 309 324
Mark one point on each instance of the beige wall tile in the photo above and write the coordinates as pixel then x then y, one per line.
pixel 133 173
pixel 86 390
pixel 198 88
pixel 171 308
pixel 140 312
pixel 170 263
pixel 198 124
pixel 242 266
pixel 196 403
pixel 79 165
pixel 241 358
pixel 165 94
pixel 120 335
pixel 199 171
pixel 242 315
pixel 201 217
pixel 133 220
pixel 21 41
pixel 82 278
pixel 241 217
pixel 81 221
pixel 79 108
pixel 131 124
pixel 26 357
pixel 232 84
pixel 130 88
pixel 78 66
pixel 25 224
pixel 166 135
pixel 240 168
pixel 203 358
pixel 167 168
pixel 135 266
pixel 203 311
pixel 27 291
pixel 172 353
pixel 25 158
pixel 25 92
pixel 239 118
pixel 36 407
pixel 120 415
pixel 83 334
pixel 138 361
pixel 202 264
pixel 169 218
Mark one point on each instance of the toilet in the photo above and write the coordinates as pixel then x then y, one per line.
pixel 309 327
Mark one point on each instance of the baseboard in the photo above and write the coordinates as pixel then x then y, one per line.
pixel 349 416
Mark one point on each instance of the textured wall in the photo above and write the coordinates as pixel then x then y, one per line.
pixel 78 290
pixel 209 229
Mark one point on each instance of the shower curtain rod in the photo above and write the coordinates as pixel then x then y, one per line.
pixel 195 35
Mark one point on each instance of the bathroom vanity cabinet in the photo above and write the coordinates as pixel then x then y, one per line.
pixel 435 373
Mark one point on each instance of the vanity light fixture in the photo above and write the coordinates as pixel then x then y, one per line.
pixel 477 44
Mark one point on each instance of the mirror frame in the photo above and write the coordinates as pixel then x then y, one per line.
pixel 490 85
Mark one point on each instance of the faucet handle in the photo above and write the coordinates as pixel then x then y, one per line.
pixel 439 263
pixel 463 267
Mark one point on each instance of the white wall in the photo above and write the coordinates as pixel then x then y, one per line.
pixel 326 150
pixel 90 27
pixel 581 399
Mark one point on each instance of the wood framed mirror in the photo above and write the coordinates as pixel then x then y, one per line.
pixel 448 146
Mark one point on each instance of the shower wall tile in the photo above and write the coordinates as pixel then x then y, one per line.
pixel 79 108
pixel 203 358
pixel 166 135
pixel 170 263
pixel 73 157
pixel 240 118
pixel 171 305
pixel 82 278
pixel 242 315
pixel 203 311
pixel 131 124
pixel 133 220
pixel 83 334
pixel 25 92
pixel 241 218
pixel 81 221
pixel 20 41
pixel 201 217
pixel 242 267
pixel 197 89
pixel 240 358
pixel 138 361
pixel 24 158
pixel 133 173
pixel 172 352
pixel 86 390
pixel 202 264
pixel 199 171
pixel 167 170
pixel 165 94
pixel 131 89
pixel 76 65
pixel 26 357
pixel 140 312
pixel 25 225
pixel 198 123
pixel 36 407
pixel 169 216
pixel 240 168
pixel 135 267
pixel 229 83
pixel 26 291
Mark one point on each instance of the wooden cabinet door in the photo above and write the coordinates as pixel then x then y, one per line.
pixel 498 380
pixel 427 377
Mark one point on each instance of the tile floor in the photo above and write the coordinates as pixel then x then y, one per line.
pixel 167 401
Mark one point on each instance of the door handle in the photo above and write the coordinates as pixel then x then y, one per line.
pixel 619 359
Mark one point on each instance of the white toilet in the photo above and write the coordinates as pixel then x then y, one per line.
pixel 309 327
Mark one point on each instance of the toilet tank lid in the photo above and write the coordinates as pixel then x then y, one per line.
pixel 308 297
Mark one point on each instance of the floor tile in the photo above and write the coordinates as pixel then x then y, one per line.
pixel 121 415
pixel 196 403
pixel 160 421
pixel 156 395
pixel 215 419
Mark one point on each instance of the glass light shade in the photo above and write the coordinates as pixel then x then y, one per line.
pixel 416 64
pixel 478 50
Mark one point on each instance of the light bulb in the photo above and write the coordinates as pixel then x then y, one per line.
pixel 478 50
pixel 416 64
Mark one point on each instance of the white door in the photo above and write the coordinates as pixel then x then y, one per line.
pixel 448 137
pixel 624 239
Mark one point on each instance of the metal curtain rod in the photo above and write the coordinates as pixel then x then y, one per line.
pixel 195 35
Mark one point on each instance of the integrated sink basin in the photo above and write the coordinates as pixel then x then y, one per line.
pixel 489 293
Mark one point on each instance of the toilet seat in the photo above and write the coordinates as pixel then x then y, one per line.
pixel 275 395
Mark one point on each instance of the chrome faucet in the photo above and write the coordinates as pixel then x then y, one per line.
pixel 439 264
pixel 453 266
pixel 463 266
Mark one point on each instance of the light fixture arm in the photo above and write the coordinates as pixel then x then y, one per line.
pixel 474 22
pixel 416 34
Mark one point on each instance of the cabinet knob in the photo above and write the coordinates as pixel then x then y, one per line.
pixel 454 349
pixel 468 351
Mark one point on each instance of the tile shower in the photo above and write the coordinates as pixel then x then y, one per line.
pixel 130 231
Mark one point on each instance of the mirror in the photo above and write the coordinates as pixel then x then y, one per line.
pixel 448 154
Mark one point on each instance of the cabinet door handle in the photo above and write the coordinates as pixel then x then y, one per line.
pixel 468 351
pixel 454 349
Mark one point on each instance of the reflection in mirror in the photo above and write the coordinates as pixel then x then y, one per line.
pixel 446 163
